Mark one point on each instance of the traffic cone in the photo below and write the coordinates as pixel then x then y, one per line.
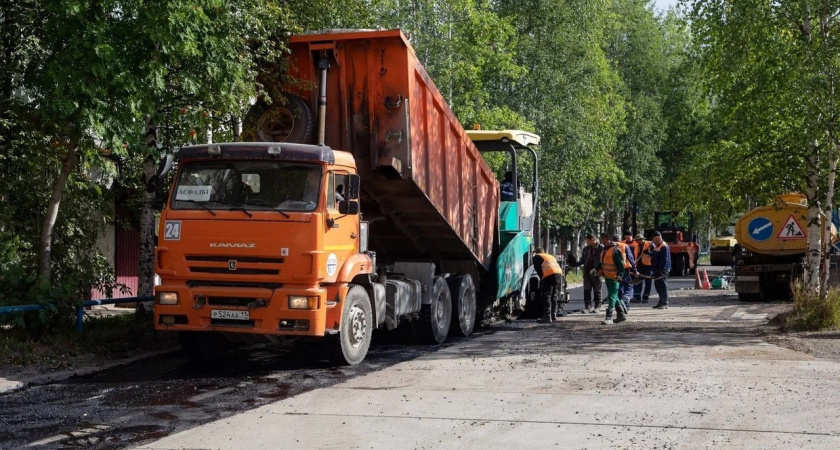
pixel 706 283
pixel 697 283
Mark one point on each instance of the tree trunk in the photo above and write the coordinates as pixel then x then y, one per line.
pixel 45 257
pixel 146 276
pixel 826 242
pixel 813 250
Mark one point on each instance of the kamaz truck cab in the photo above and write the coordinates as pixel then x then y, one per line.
pixel 252 238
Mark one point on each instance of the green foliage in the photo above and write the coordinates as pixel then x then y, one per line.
pixel 609 86
pixel 812 313
pixel 772 68
pixel 90 74
pixel 29 162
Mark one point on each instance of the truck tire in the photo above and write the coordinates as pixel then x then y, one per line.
pixel 533 303
pixel 436 317
pixel 351 344
pixel 285 120
pixel 462 290
pixel 678 265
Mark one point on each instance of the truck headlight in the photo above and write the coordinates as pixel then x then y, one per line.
pixel 167 298
pixel 303 302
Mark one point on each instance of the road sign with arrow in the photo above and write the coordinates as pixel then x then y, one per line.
pixel 760 229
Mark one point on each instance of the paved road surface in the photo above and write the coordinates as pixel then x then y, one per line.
pixel 708 373
pixel 700 375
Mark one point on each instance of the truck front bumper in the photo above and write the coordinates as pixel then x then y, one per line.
pixel 243 310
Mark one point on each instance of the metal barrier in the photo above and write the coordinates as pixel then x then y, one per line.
pixel 80 311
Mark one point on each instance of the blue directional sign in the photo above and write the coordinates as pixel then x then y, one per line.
pixel 760 229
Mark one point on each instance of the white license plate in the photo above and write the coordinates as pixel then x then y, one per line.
pixel 229 315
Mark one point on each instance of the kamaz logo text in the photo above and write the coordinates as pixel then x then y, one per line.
pixel 231 245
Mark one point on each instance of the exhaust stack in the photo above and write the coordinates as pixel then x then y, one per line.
pixel 323 67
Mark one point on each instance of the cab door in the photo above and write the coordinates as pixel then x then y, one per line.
pixel 341 230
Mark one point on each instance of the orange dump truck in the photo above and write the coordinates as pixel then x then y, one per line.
pixel 363 204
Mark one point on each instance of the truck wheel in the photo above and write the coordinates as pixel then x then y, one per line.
pixel 286 120
pixel 533 303
pixel 351 344
pixel 436 317
pixel 462 290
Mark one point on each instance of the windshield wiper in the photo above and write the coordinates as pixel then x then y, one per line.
pixel 237 206
pixel 258 202
pixel 201 204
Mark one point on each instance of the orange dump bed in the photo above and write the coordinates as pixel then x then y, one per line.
pixel 427 192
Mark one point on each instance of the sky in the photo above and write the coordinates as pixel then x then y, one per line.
pixel 663 4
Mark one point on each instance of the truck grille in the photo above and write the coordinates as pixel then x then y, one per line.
pixel 231 301
pixel 221 264
pixel 225 259
pixel 225 270
pixel 233 284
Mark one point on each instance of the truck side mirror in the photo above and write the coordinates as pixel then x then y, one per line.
pixel 165 165
pixel 156 183
pixel 353 187
pixel 348 207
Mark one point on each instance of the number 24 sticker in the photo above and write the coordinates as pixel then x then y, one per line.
pixel 172 230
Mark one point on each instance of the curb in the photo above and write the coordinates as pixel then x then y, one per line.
pixel 8 386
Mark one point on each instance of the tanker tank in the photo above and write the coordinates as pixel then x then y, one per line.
pixel 771 246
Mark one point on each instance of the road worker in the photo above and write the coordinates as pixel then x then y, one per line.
pixel 508 191
pixel 589 257
pixel 660 263
pixel 611 267
pixel 628 239
pixel 625 292
pixel 642 253
pixel 551 281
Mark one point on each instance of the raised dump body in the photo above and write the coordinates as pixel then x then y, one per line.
pixel 426 190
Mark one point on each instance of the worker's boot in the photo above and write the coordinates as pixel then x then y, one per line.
pixel 608 320
pixel 547 315
pixel 622 313
pixel 557 311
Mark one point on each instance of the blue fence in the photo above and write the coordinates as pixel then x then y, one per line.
pixel 80 311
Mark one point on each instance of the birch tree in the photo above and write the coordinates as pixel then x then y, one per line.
pixel 773 71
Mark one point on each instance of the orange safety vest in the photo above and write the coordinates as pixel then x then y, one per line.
pixel 549 265
pixel 608 265
pixel 623 247
pixel 634 247
pixel 641 251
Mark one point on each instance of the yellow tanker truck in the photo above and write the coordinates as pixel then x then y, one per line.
pixel 770 248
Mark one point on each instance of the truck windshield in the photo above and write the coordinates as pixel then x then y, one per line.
pixel 248 185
